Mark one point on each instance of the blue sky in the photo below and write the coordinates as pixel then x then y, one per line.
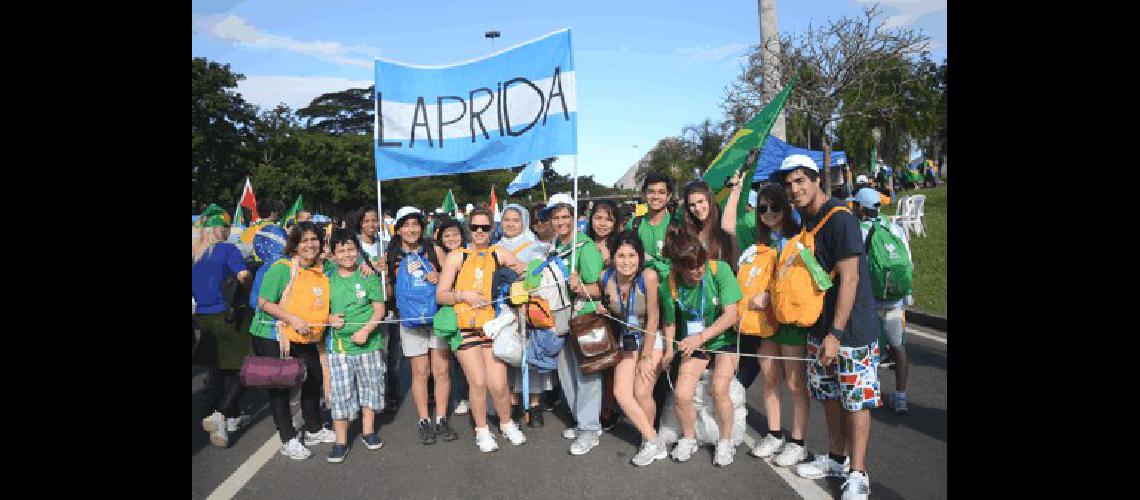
pixel 645 68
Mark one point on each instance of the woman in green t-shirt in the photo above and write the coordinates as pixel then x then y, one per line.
pixel 702 220
pixel 704 294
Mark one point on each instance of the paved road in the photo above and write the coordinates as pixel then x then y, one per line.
pixel 906 459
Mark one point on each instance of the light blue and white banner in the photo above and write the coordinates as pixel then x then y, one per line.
pixel 501 111
pixel 529 177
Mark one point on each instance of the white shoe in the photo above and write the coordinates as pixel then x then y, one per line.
pixel 295 450
pixel 233 424
pixel 461 408
pixel 767 446
pixel 725 452
pixel 512 433
pixel 684 449
pixel 215 424
pixel 485 441
pixel 823 466
pixel 857 486
pixel 650 451
pixel 324 435
pixel 585 442
pixel 570 433
pixel 792 454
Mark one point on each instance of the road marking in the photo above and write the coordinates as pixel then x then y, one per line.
pixel 926 335
pixel 805 488
pixel 233 484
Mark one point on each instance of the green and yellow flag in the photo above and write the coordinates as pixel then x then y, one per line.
pixel 752 135
pixel 449 204
pixel 291 215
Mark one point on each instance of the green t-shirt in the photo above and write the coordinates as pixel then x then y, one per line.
pixel 653 241
pixel 746 230
pixel 353 296
pixel 719 290
pixel 588 266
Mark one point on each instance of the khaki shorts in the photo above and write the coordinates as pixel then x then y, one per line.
pixel 416 340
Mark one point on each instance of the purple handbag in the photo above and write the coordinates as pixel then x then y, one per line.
pixel 272 373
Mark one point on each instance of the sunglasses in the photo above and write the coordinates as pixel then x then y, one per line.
pixel 486 228
pixel 763 209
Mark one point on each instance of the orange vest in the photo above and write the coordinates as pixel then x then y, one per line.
pixel 754 277
pixel 795 297
pixel 307 296
pixel 476 273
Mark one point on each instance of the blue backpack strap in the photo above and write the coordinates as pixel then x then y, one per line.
pixel 606 278
pixel 641 282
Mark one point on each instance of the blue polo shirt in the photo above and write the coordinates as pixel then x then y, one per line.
pixel 209 274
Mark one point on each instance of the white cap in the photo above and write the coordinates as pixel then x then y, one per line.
pixel 862 179
pixel 790 163
pixel 556 200
pixel 406 211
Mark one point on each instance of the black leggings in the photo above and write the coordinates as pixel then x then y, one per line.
pixel 311 388
pixel 223 392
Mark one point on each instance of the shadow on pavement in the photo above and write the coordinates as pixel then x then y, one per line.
pixel 255 402
pixel 929 421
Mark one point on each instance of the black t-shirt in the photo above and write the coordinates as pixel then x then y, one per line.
pixel 840 238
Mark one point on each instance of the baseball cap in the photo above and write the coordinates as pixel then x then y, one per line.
pixel 862 179
pixel 408 212
pixel 791 163
pixel 867 198
pixel 556 200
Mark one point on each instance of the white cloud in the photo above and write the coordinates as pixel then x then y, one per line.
pixel 267 91
pixel 234 29
pixel 907 11
pixel 706 54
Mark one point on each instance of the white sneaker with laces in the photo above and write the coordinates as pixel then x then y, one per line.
pixel 792 454
pixel 684 449
pixel 570 433
pixel 512 433
pixel 650 451
pixel 215 424
pixel 725 452
pixel 324 435
pixel 585 442
pixel 485 441
pixel 857 486
pixel 767 446
pixel 823 466
pixel 461 408
pixel 233 424
pixel 295 450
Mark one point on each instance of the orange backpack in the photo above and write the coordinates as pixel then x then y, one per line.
pixel 795 297
pixel 754 277
pixel 476 273
pixel 307 296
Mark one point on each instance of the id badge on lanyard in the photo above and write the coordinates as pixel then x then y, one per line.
pixel 696 323
pixel 629 310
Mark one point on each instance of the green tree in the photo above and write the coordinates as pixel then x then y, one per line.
pixel 341 113
pixel 222 152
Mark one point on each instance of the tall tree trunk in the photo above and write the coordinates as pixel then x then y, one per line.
pixel 826 164
pixel 770 59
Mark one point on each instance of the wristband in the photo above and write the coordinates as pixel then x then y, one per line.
pixel 836 332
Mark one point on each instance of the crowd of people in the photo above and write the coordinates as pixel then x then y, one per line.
pixel 795 297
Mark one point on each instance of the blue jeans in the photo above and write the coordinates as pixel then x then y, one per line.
pixel 583 393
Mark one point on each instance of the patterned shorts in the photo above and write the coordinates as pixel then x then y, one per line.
pixel 855 380
pixel 356 380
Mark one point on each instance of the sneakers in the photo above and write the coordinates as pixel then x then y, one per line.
pixel 325 435
pixel 427 432
pixel 444 430
pixel 792 454
pixel 512 433
pixel 233 424
pixel 339 451
pixel 295 450
pixel 585 442
pixel 215 424
pixel 462 408
pixel 725 452
pixel 857 486
pixel 485 441
pixel 609 419
pixel 897 402
pixel 650 451
pixel 684 449
pixel 823 466
pixel 372 441
pixel 767 446
pixel 535 417
pixel 570 433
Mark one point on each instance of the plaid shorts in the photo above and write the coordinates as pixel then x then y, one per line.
pixel 356 380
pixel 855 380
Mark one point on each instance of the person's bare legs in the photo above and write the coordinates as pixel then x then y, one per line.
pixel 770 369
pixel 341 429
pixel 367 424
pixel 901 368
pixel 687 378
pixel 471 360
pixel 498 384
pixel 421 368
pixel 836 427
pixel 860 434
pixel 441 370
pixel 724 372
pixel 623 393
pixel 643 390
pixel 795 373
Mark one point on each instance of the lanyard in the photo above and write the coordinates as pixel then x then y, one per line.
pixel 700 314
pixel 626 306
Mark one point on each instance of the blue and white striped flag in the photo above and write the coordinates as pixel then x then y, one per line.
pixel 528 178
pixel 510 108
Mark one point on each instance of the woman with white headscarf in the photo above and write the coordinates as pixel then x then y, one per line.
pixel 519 240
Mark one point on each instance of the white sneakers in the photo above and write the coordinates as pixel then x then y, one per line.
pixel 684 449
pixel 215 424
pixel 767 446
pixel 823 466
pixel 233 424
pixel 792 454
pixel 461 408
pixel 725 452
pixel 512 433
pixel 570 433
pixel 857 486
pixel 650 451
pixel 585 442
pixel 325 435
pixel 485 441
pixel 295 450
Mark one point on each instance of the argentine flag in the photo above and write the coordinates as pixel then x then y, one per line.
pixel 503 110
pixel 528 178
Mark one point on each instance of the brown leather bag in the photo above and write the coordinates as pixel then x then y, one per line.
pixel 594 344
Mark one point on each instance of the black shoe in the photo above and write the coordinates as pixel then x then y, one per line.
pixel 609 419
pixel 516 413
pixel 444 430
pixel 427 432
pixel 535 414
pixel 550 399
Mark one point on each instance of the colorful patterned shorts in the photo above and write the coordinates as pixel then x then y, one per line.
pixel 854 383
pixel 356 380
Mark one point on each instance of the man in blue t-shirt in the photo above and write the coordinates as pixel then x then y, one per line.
pixel 845 338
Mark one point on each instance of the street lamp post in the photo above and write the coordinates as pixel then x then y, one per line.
pixel 492 35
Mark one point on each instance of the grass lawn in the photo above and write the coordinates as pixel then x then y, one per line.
pixel 929 252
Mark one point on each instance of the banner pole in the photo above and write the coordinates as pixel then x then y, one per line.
pixel 574 223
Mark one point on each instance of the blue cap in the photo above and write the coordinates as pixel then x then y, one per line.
pixel 867 198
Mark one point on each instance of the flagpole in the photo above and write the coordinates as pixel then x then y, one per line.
pixel 574 223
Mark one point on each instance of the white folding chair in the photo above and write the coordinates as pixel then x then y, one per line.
pixel 917 213
pixel 902 211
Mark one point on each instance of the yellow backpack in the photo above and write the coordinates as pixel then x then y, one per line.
pixel 476 273
pixel 754 277
pixel 795 297
pixel 307 296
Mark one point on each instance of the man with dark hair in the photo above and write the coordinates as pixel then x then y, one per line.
pixel 845 337
pixel 651 227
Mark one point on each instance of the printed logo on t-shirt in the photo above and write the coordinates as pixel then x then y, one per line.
pixel 360 294
pixel 660 245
